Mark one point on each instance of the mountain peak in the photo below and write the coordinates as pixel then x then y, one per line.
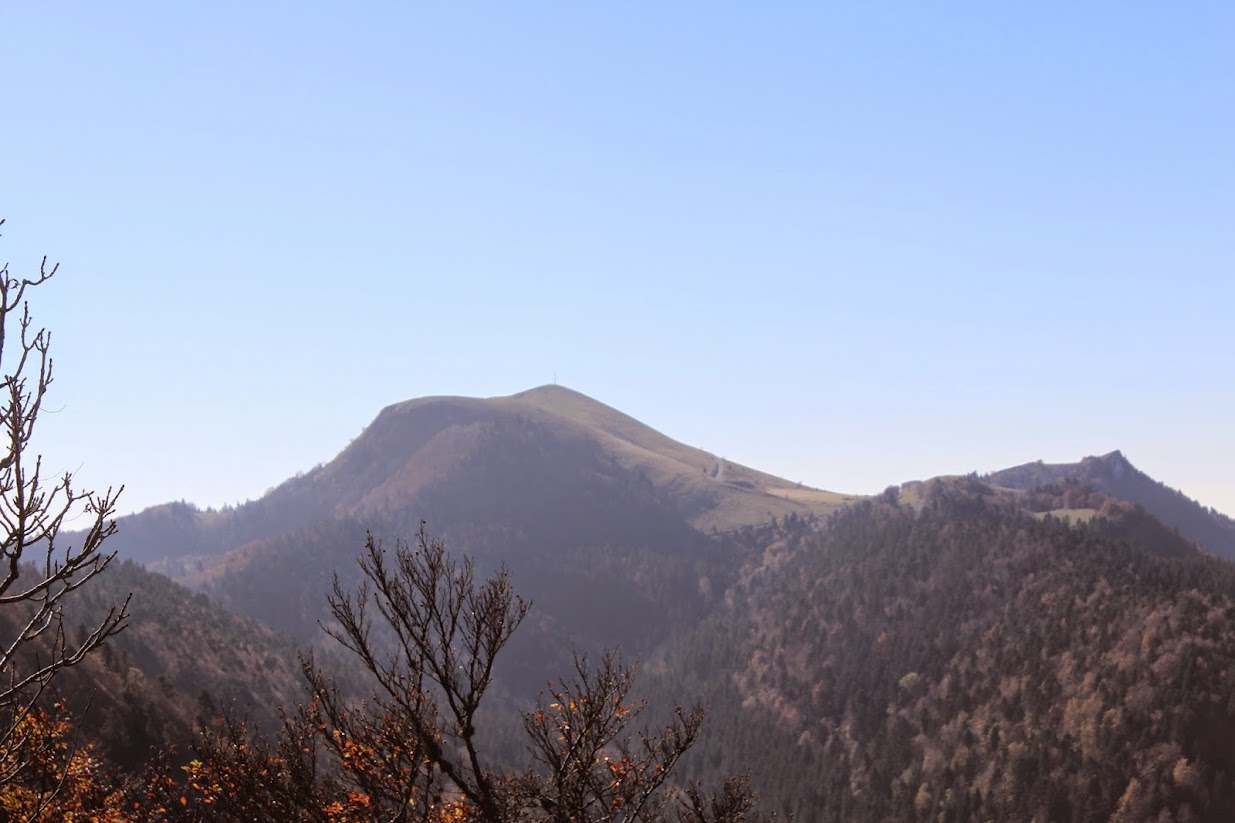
pixel 1112 463
pixel 549 391
pixel 1115 475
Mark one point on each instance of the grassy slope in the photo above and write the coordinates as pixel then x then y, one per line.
pixel 418 450
pixel 412 444
pixel 742 496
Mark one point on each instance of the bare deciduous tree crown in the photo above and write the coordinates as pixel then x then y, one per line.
pixel 446 629
pixel 37 572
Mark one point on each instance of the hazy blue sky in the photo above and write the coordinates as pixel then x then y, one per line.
pixel 851 245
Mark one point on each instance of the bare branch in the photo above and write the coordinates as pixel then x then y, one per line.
pixel 432 650
pixel 37 576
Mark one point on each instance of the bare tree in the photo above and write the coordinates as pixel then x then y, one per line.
pixel 37 571
pixel 590 768
pixel 445 629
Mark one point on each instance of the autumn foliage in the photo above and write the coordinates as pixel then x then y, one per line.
pixel 47 773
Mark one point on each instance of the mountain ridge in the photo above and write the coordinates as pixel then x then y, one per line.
pixel 1114 474
pixel 844 648
pixel 415 448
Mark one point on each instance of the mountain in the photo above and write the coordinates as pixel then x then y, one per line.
pixel 1040 643
pixel 615 531
pixel 416 451
pixel 1114 474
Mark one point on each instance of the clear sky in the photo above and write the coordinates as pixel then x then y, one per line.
pixel 851 244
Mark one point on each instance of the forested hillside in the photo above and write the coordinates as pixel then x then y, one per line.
pixel 951 650
pixel 180 660
pixel 962 659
